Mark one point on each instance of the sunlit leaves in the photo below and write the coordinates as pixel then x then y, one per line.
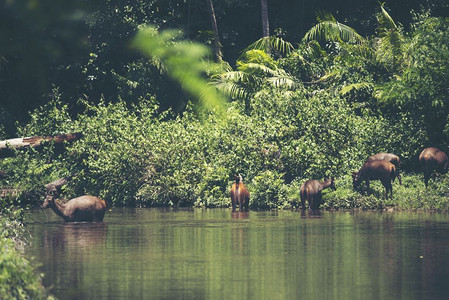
pixel 254 69
pixel 355 87
pixel 329 29
pixel 271 43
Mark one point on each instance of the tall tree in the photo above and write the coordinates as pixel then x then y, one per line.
pixel 213 21
pixel 265 23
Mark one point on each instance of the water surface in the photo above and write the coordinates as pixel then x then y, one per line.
pixel 213 254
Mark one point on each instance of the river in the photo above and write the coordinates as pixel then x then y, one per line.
pixel 212 254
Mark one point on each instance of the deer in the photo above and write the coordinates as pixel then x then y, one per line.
pixel 390 157
pixel 86 208
pixel 239 194
pixel 311 191
pixel 376 170
pixel 433 159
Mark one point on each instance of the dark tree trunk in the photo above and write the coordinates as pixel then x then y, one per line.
pixel 265 23
pixel 213 21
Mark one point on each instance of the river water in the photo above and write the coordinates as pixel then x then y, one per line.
pixel 213 254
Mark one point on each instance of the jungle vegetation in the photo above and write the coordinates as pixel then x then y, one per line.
pixel 175 97
pixel 168 122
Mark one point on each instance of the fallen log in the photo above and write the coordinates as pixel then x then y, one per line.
pixel 7 147
pixel 56 186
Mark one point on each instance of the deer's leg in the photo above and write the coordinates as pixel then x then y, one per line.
pixel 426 179
pixel 303 201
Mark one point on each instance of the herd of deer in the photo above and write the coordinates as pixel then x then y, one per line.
pixel 381 166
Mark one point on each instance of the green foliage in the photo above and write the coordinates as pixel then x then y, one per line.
pixel 317 113
pixel 18 277
pixel 328 29
pixel 185 62
pixel 269 44
pixel 266 190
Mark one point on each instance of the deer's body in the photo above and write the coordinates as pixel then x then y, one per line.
pixel 433 159
pixel 81 209
pixel 376 170
pixel 311 191
pixel 239 194
pixel 390 157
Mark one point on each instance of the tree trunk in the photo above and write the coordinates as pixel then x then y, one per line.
pixel 7 146
pixel 213 21
pixel 265 23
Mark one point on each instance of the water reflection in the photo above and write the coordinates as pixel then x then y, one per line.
pixel 240 215
pixel 213 254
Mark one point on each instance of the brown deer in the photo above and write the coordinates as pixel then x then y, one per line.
pixel 390 157
pixel 239 194
pixel 433 159
pixel 311 191
pixel 376 170
pixel 81 209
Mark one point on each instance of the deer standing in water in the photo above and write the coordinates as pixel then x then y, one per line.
pixel 390 157
pixel 376 170
pixel 81 209
pixel 433 159
pixel 239 194
pixel 311 191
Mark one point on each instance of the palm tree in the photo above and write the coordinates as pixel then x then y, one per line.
pixel 329 29
pixel 390 41
pixel 255 68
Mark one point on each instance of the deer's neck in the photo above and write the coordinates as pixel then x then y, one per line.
pixel 58 208
pixel 326 184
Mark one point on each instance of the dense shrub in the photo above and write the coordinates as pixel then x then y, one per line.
pixel 18 276
pixel 276 139
pixel 132 156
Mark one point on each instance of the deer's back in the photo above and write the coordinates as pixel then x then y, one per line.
pixel 377 169
pixel 311 187
pixel 433 158
pixel 390 157
pixel 87 202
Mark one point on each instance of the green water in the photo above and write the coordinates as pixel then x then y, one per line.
pixel 213 254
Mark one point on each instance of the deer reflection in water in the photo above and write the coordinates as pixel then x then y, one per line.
pixel 76 236
pixel 240 234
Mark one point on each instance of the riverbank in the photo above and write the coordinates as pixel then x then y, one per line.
pixel 19 276
pixel 410 196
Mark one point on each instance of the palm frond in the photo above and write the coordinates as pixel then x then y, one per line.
pixel 332 31
pixel 232 89
pixel 323 15
pixel 254 68
pixel 386 22
pixel 236 84
pixel 284 81
pixel 355 87
pixel 269 44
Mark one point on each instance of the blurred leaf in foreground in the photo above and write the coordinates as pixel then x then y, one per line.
pixel 186 62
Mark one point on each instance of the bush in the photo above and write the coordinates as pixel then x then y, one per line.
pixel 266 190
pixel 18 276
